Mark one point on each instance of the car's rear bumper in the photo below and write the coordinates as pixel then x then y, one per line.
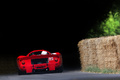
pixel 40 70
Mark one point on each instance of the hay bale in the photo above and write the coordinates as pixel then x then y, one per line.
pixel 103 52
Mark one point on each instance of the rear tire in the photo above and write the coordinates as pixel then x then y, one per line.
pixel 21 72
pixel 60 69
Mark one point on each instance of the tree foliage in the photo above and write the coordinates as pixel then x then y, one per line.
pixel 111 24
pixel 109 27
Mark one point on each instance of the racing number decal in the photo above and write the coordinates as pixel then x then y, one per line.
pixel 51 59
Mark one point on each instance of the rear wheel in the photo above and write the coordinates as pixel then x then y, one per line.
pixel 60 69
pixel 21 72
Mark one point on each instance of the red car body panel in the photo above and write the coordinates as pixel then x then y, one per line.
pixel 32 62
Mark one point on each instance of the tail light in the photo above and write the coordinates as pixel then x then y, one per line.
pixel 23 62
pixel 56 59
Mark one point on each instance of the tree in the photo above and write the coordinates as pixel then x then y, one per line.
pixel 108 27
pixel 111 24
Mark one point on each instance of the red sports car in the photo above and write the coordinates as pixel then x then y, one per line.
pixel 39 60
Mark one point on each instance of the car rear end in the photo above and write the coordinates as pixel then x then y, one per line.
pixel 51 63
pixel 40 63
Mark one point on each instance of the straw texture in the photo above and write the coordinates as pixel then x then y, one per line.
pixel 103 52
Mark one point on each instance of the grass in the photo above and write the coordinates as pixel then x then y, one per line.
pixel 98 70
pixel 109 71
pixel 92 69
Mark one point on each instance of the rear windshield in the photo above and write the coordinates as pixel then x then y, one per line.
pixel 39 53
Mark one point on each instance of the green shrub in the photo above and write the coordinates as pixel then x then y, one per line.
pixel 108 27
pixel 92 69
pixel 109 71
pixel 98 70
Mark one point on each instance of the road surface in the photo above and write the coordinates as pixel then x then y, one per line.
pixel 66 75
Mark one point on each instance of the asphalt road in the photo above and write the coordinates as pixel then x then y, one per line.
pixel 66 75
